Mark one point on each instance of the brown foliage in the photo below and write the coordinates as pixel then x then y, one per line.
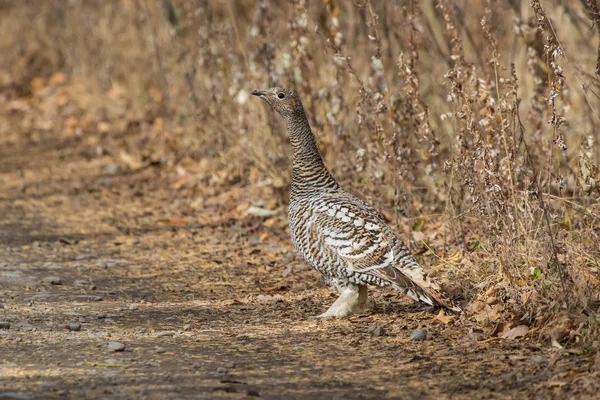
pixel 474 124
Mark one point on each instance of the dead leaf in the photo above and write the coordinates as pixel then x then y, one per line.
pixel 274 288
pixel 525 297
pixel 159 124
pixel 476 306
pixel 133 162
pixel 37 84
pixel 500 329
pixel 19 105
pixel 181 181
pixel 265 236
pixel 104 127
pixel 556 383
pixel 260 212
pixel 443 318
pixel 516 332
pixel 489 314
pixel 173 221
pixel 58 78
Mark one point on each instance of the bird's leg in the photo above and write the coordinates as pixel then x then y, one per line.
pixel 352 300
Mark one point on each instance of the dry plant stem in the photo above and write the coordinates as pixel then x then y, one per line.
pixel 504 137
pixel 157 55
pixel 541 13
pixel 594 15
pixel 544 206
pixel 391 121
pixel 575 207
pixel 237 33
pixel 190 77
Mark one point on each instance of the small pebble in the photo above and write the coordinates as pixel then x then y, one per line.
pixel 376 330
pixel 101 315
pixel 111 169
pixel 418 334
pixel 24 326
pixel 52 280
pixel 4 324
pixel 159 349
pixel 74 326
pixel 133 307
pixel 165 333
pixel 222 370
pixel 230 364
pixel 116 346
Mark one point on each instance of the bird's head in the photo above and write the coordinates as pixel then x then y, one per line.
pixel 284 101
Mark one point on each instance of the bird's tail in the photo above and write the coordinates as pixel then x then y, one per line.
pixel 418 285
pixel 431 295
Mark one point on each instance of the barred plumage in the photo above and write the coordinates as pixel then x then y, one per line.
pixel 337 233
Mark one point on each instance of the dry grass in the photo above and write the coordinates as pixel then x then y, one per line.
pixel 472 125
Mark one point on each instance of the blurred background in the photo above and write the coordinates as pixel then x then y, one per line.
pixel 473 126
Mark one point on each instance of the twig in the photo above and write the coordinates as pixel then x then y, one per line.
pixel 161 70
pixel 543 204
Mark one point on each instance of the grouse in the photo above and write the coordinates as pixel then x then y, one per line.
pixel 337 233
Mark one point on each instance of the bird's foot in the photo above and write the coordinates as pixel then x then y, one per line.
pixel 352 300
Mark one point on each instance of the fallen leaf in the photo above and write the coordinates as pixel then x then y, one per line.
pixel 181 181
pixel 556 383
pixel 104 127
pixel 516 332
pixel 260 212
pixel 500 329
pixel 476 306
pixel 58 78
pixel 104 364
pixel 274 288
pixel 265 236
pixel 443 318
pixel 525 297
pixel 37 84
pixel 173 221
pixel 489 314
pixel 132 161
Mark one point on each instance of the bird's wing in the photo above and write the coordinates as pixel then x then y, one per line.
pixel 367 246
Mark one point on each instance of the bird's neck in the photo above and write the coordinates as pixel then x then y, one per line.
pixel 308 169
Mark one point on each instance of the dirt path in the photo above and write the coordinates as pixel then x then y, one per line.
pixel 204 309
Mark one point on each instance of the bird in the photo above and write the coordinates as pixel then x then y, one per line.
pixel 339 234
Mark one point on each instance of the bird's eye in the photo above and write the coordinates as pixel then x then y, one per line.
pixel 281 95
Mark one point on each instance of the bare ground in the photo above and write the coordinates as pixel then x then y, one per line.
pixel 211 307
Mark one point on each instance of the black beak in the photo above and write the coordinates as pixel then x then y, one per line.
pixel 258 92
